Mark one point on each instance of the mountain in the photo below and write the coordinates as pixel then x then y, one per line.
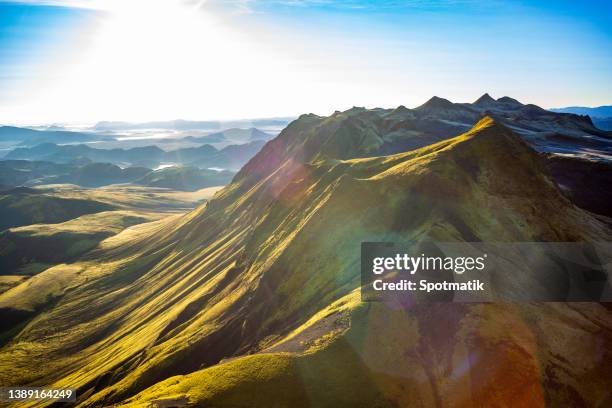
pixel 234 135
pixel 229 157
pixel 440 108
pixel 253 299
pixel 601 116
pixel 99 174
pixel 236 156
pixel 485 101
pixel 185 178
pixel 210 138
pixel 596 112
pixel 24 172
pixel 205 154
pixel 603 123
pixel 30 137
pixel 239 136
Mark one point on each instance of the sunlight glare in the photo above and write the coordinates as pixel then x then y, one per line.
pixel 163 60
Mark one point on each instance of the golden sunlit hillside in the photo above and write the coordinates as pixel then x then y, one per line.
pixel 250 299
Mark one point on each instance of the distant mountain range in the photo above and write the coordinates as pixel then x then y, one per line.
pixel 601 115
pixel 192 124
pixel 229 157
pixel 14 173
pixel 233 135
pixel 31 137
pixel 595 112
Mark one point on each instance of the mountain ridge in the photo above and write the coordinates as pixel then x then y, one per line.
pixel 280 245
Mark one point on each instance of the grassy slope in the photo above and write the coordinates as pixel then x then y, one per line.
pixel 277 247
pixel 32 249
pixel 46 244
pixel 28 251
pixel 25 209
pixel 432 355
pixel 135 197
pixel 59 279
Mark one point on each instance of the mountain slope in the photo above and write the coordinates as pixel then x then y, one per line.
pixel 271 265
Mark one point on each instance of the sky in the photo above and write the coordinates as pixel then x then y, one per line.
pixel 83 61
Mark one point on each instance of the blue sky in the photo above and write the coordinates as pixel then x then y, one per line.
pixel 89 60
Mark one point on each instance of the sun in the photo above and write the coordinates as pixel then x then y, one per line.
pixel 163 60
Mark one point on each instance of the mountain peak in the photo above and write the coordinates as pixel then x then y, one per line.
pixel 491 125
pixel 509 101
pixel 401 111
pixel 484 100
pixel 436 103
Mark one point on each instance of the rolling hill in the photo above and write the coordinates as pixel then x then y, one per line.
pixel 14 173
pixel 252 299
pixel 24 206
pixel 100 174
pixel 30 249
